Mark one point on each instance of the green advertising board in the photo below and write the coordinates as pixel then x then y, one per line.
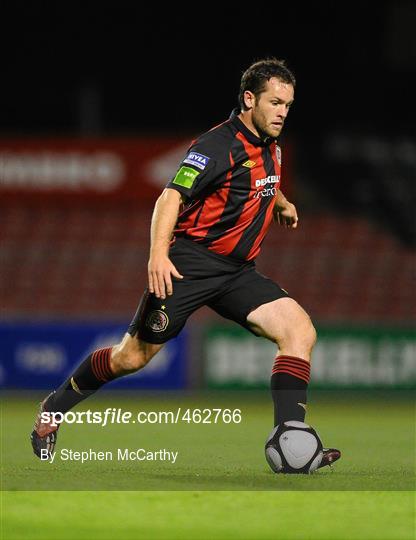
pixel 342 357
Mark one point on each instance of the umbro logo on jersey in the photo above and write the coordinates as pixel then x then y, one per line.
pixel 198 160
pixel 249 164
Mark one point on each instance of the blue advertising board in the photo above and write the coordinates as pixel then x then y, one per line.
pixel 42 355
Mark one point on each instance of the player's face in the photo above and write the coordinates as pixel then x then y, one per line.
pixel 271 108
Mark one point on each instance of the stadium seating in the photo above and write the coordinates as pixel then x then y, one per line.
pixel 62 261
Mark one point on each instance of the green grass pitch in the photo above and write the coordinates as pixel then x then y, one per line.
pixel 220 485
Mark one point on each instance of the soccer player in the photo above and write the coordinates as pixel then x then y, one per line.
pixel 206 232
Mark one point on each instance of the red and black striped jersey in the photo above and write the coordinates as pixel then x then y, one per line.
pixel 230 179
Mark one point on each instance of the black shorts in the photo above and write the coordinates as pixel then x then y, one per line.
pixel 231 288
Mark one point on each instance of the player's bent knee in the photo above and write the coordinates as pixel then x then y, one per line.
pixel 300 337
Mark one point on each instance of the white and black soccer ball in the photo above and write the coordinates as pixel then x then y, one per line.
pixel 293 447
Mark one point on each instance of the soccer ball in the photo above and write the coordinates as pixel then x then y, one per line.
pixel 293 447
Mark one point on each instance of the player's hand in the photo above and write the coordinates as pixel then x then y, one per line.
pixel 160 272
pixel 286 216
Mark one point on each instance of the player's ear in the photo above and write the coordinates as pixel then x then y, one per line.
pixel 249 99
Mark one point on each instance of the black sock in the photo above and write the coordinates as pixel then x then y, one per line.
pixel 289 383
pixel 89 376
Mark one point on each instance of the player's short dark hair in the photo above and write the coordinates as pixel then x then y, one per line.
pixel 256 76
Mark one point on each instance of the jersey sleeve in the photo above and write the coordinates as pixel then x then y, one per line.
pixel 196 171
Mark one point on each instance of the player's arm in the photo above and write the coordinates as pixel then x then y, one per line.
pixel 284 212
pixel 160 267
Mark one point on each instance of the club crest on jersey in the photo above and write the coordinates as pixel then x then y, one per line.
pixel 198 160
pixel 279 155
pixel 157 321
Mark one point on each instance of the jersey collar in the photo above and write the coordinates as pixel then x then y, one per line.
pixel 248 134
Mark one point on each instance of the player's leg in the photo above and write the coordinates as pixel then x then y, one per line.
pixel 99 368
pixel 260 305
pixel 286 323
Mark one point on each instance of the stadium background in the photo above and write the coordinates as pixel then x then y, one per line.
pixel 99 106
pixel 95 119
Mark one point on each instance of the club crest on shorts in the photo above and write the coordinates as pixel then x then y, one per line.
pixel 279 155
pixel 157 321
